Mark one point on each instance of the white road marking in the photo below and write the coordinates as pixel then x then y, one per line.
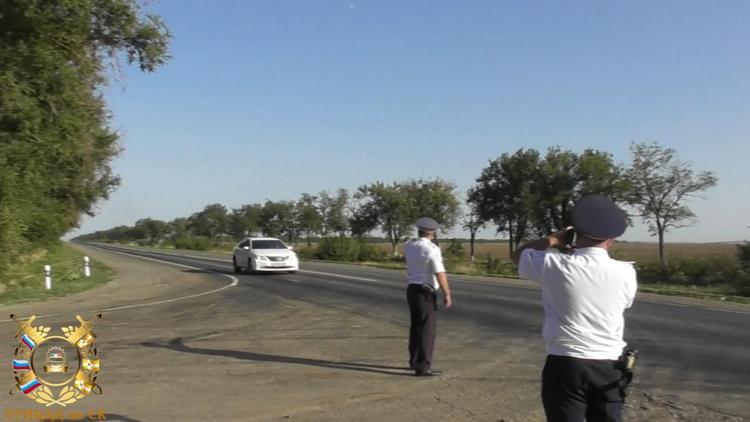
pixel 234 282
pixel 340 276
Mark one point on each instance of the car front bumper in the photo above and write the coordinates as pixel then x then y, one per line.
pixel 266 266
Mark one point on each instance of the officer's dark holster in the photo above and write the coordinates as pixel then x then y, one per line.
pixel 428 290
pixel 626 363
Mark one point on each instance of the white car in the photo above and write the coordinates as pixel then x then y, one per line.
pixel 257 254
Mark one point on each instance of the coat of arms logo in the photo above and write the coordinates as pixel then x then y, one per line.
pixel 53 369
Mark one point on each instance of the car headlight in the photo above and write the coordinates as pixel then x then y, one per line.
pixel 261 257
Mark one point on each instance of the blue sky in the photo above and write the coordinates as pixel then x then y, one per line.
pixel 266 100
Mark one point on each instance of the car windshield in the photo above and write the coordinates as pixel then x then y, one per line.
pixel 268 244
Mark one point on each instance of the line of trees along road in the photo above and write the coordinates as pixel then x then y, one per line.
pixel 522 195
pixel 56 143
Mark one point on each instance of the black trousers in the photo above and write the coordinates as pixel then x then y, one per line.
pixel 574 389
pixel 422 307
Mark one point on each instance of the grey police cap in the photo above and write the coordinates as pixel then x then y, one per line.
pixel 427 224
pixel 598 217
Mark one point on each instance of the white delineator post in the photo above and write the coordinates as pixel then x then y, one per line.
pixel 86 266
pixel 48 277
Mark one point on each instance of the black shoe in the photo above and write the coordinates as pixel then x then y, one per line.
pixel 427 372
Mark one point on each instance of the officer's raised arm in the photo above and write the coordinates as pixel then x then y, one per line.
pixel 552 241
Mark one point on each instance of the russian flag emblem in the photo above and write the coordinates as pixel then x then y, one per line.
pixel 28 341
pixel 30 386
pixel 21 364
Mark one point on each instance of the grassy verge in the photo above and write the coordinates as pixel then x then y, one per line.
pixel 24 282
pixel 719 292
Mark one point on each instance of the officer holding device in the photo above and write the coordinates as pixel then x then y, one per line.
pixel 584 294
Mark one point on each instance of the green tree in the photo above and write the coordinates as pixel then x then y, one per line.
pixel 210 222
pixel 56 144
pixel 334 211
pixel 150 231
pixel 434 198
pixel 177 228
pixel 660 186
pixel 504 194
pixel 563 177
pixel 526 193
pixel 472 223
pixel 309 220
pixel 743 256
pixel 384 206
pixel 245 220
pixel 395 207
pixel 363 219
pixel 277 219
pixel 597 173
pixel 553 191
pixel 324 205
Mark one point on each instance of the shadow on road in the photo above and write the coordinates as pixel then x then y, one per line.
pixel 176 344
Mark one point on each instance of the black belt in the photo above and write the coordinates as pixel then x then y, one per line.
pixel 425 288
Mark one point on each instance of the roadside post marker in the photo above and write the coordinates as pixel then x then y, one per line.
pixel 86 266
pixel 48 277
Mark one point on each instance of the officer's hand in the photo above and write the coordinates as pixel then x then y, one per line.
pixel 559 238
pixel 447 302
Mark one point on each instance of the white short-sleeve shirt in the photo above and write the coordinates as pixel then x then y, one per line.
pixel 423 261
pixel 584 296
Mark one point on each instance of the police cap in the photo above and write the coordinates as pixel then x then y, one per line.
pixel 427 224
pixel 598 217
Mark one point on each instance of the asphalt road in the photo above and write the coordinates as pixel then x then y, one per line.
pixel 695 353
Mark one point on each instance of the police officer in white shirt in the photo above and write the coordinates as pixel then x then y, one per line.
pixel 584 295
pixel 426 275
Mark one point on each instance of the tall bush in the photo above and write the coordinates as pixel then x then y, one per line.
pixel 743 256
pixel 692 272
pixel 347 249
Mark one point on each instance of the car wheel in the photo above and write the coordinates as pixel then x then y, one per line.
pixel 250 266
pixel 237 268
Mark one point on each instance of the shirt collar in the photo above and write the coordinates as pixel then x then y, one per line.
pixel 592 251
